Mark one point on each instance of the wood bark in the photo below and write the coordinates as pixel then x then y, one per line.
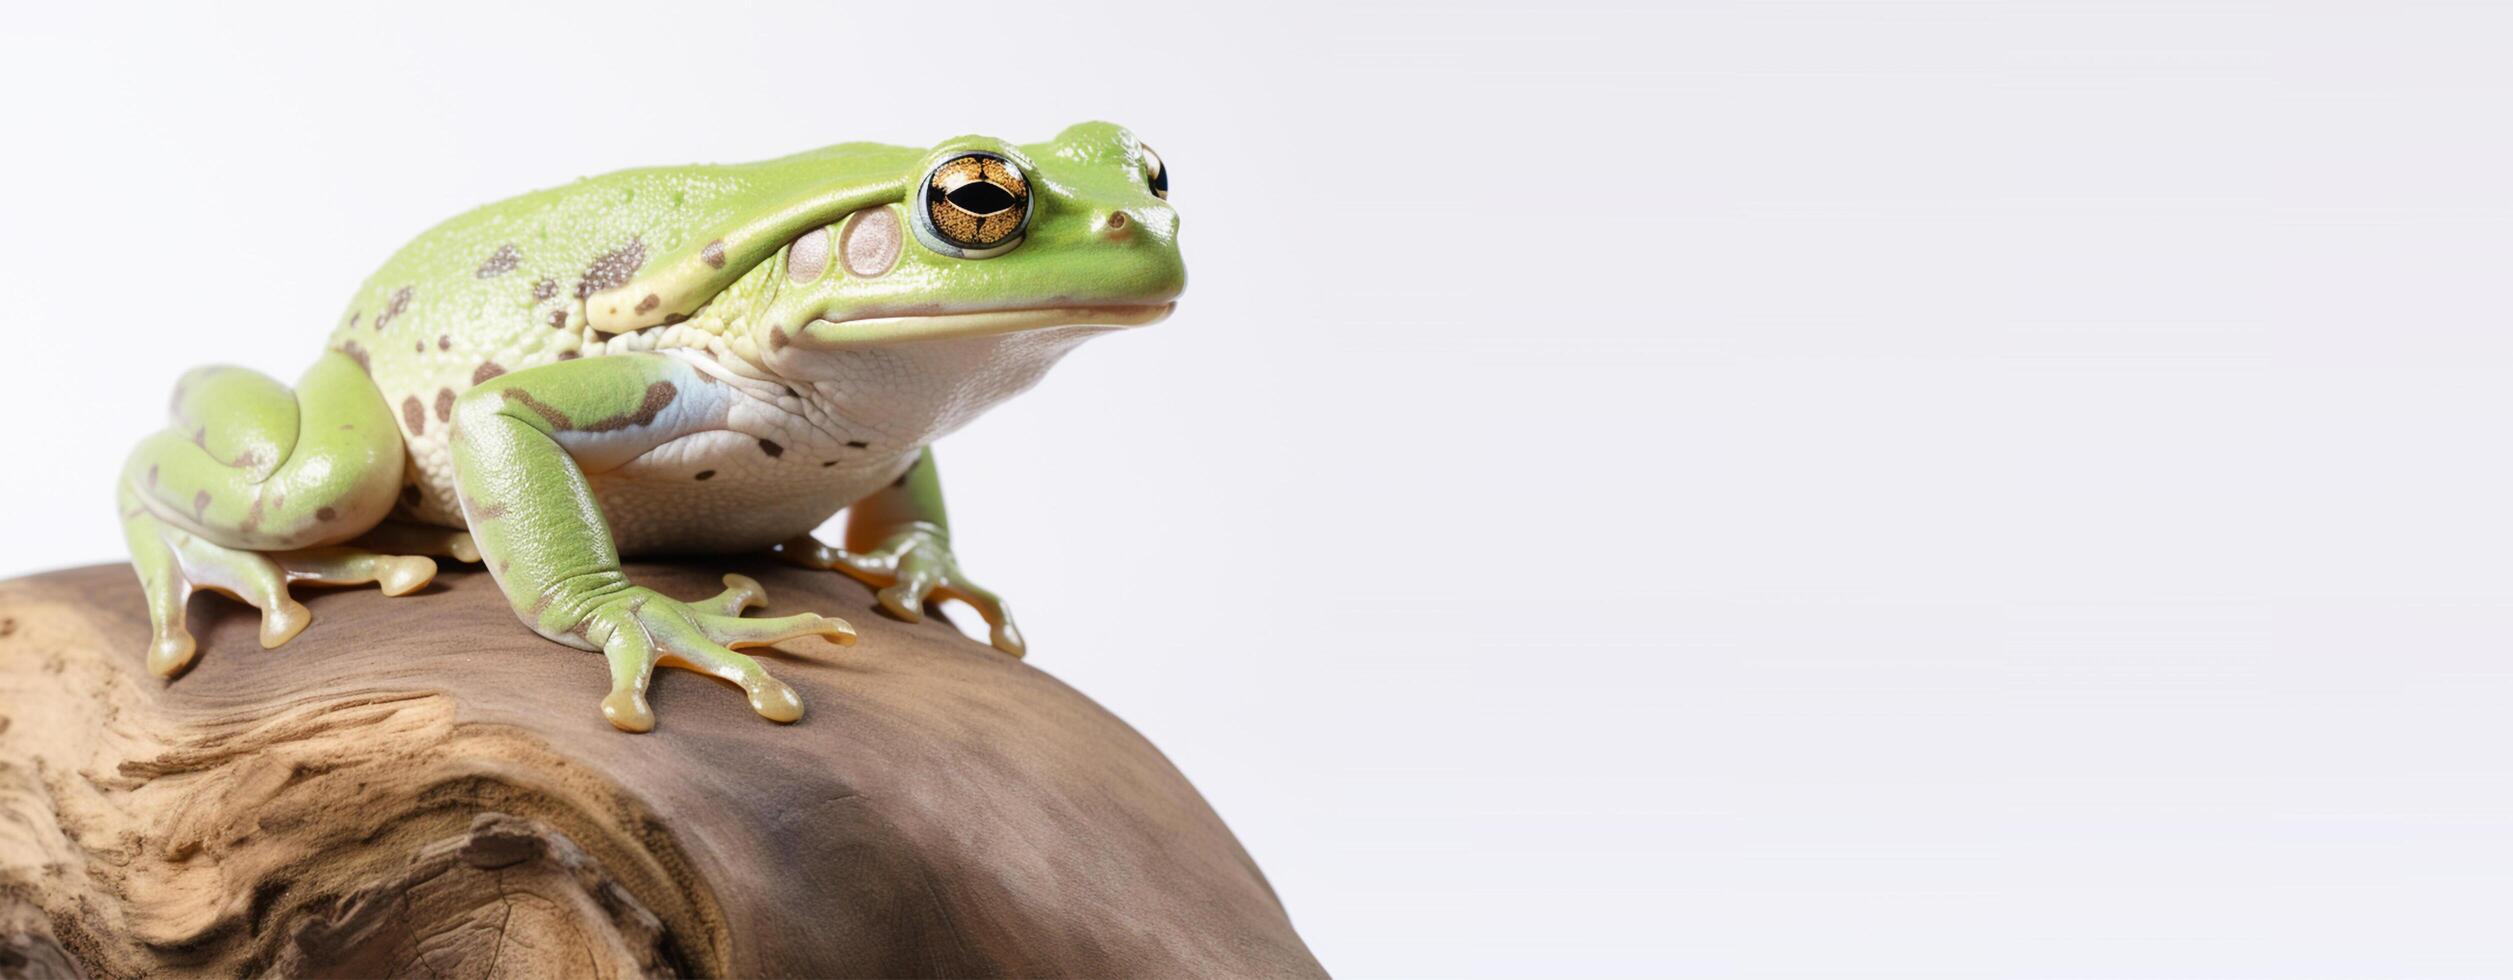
pixel 420 786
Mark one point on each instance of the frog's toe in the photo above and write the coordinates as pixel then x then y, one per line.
pixel 627 710
pixel 164 585
pixel 771 698
pixel 1003 632
pixel 776 701
pixel 405 574
pixel 282 620
pixel 740 592
pixel 632 654
pixel 170 650
pixel 265 583
pixel 1007 638
pixel 720 619
pixel 904 601
pixel 734 632
pixel 395 574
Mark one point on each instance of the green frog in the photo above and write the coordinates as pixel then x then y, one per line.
pixel 677 360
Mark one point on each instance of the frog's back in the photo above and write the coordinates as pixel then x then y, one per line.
pixel 512 277
pixel 504 287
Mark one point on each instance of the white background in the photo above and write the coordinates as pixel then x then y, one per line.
pixel 1731 489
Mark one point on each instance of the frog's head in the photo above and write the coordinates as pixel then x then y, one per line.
pixel 986 238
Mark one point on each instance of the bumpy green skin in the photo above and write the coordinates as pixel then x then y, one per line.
pixel 686 359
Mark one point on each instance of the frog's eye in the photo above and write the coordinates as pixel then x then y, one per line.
pixel 1153 172
pixel 973 206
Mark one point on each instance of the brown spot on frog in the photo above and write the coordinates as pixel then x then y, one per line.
pixel 612 268
pixel 658 396
pixel 393 308
pixel 499 262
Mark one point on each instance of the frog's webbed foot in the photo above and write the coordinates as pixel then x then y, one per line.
pixel 173 563
pixel 913 564
pixel 639 629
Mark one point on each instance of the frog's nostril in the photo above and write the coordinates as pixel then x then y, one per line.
pixel 1116 220
pixel 1118 227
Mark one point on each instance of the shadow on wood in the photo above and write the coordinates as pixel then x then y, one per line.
pixel 420 785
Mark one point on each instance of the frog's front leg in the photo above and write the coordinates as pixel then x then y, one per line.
pixel 899 541
pixel 523 444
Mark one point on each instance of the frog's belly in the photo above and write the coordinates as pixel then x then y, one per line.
pixel 717 492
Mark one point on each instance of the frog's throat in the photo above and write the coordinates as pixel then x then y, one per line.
pixel 875 331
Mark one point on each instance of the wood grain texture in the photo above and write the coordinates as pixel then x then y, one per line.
pixel 420 786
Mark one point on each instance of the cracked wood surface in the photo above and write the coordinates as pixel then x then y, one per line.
pixel 419 786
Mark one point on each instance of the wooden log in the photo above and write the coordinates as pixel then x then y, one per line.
pixel 419 785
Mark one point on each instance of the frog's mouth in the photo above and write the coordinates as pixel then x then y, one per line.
pixel 867 331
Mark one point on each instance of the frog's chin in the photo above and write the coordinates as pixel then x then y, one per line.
pixel 877 331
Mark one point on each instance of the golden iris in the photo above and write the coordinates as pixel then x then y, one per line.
pixel 977 200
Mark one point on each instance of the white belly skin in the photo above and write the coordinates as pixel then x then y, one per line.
pixel 778 457
pixel 745 464
pixel 749 501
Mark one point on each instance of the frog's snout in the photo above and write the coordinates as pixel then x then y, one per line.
pixel 1138 246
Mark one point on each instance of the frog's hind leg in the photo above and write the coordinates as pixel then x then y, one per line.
pixel 255 487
